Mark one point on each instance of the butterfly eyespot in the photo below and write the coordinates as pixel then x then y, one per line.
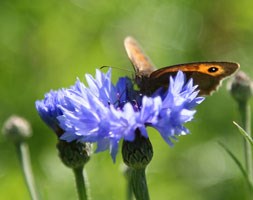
pixel 212 69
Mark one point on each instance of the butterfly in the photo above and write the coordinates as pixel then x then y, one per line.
pixel 207 75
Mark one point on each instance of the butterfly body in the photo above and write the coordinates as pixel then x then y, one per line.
pixel 207 75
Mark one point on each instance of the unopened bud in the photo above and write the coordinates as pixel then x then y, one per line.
pixel 241 87
pixel 17 129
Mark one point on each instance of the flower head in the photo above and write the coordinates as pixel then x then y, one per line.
pixel 105 113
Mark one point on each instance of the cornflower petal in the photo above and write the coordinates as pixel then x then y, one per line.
pixel 102 87
pixel 148 113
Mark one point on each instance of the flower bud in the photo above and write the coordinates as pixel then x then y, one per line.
pixel 17 129
pixel 137 154
pixel 74 154
pixel 241 87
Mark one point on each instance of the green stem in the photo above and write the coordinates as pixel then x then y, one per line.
pixel 129 189
pixel 139 184
pixel 80 183
pixel 244 109
pixel 24 159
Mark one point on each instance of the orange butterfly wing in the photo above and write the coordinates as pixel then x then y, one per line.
pixel 207 75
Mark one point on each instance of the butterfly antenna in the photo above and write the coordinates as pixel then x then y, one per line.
pixel 118 68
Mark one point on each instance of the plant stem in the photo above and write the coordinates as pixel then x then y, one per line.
pixel 244 109
pixel 24 159
pixel 139 184
pixel 129 188
pixel 80 183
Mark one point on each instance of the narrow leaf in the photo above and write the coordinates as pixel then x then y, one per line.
pixel 244 133
pixel 238 163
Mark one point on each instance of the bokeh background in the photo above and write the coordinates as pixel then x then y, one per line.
pixel 47 44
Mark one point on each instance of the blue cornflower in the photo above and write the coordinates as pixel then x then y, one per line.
pixel 104 113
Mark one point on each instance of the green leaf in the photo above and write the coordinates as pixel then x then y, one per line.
pixel 238 163
pixel 244 133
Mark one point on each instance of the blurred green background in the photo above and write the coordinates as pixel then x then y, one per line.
pixel 47 44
